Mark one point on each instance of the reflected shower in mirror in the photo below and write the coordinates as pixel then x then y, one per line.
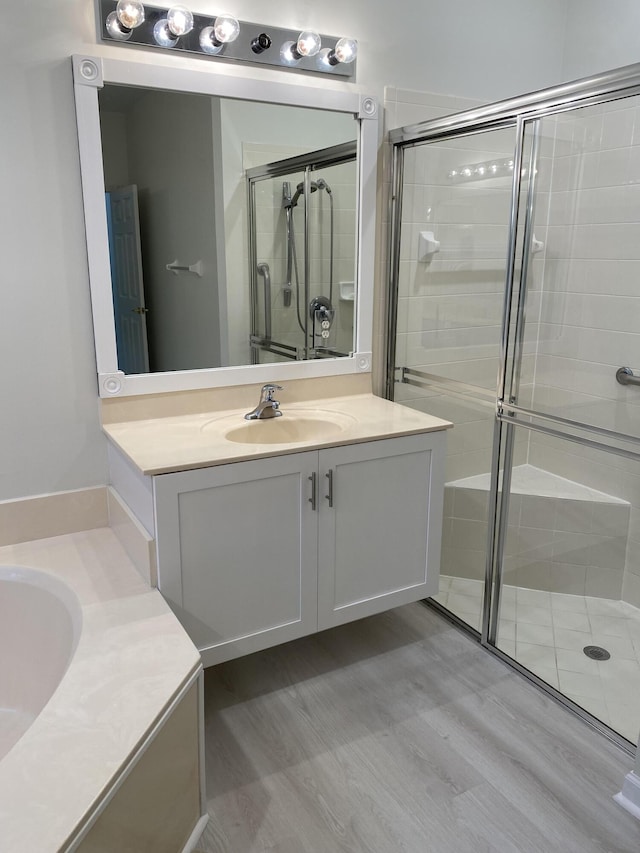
pixel 175 167
pixel 303 225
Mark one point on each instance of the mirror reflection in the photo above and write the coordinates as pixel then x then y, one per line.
pixel 204 195
pixel 303 222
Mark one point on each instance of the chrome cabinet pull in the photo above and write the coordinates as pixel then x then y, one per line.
pixel 329 497
pixel 312 499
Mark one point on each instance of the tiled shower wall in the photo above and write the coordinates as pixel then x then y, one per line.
pixel 582 315
pixel 272 245
pixel 588 215
pixel 254 134
pixel 450 307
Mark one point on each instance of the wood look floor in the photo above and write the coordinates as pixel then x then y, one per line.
pixel 399 734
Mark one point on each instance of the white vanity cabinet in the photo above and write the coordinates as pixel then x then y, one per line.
pixel 255 553
pixel 237 553
pixel 379 543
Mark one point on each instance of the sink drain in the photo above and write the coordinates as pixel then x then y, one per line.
pixel 596 653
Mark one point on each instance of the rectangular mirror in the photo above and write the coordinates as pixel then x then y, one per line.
pixel 229 224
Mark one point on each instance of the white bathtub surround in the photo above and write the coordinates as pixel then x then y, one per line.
pixel 136 541
pixel 41 516
pixel 131 660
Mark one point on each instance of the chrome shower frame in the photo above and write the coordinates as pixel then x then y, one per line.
pixel 518 113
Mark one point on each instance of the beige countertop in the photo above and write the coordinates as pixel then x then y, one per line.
pixel 132 658
pixel 182 442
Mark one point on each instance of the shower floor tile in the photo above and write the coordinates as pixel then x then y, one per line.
pixel 547 631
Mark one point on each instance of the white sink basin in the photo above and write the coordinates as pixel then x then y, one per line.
pixel 291 428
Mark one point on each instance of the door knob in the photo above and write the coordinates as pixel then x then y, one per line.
pixel 140 310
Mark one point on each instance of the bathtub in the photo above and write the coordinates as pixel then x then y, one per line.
pixel 92 665
pixel 32 661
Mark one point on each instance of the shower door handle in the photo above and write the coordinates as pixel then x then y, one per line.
pixel 625 376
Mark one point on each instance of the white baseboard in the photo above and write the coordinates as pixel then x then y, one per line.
pixel 629 796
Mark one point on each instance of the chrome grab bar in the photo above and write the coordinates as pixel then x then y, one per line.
pixel 625 376
pixel 263 270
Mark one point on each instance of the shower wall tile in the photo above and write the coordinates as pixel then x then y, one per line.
pixel 631 589
pixel 467 465
pixel 462 563
pixel 602 582
pixel 469 504
pixel 565 545
pixel 592 251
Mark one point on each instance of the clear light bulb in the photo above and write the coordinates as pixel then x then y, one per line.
pixel 226 29
pixel 130 13
pixel 115 28
pixel 208 42
pixel 308 43
pixel 163 35
pixel 288 54
pixel 179 20
pixel 346 50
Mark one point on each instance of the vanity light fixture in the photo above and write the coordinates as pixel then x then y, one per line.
pixel 127 15
pixel 261 43
pixel 482 171
pixel 167 31
pixel 308 43
pixel 132 22
pixel 225 30
pixel 344 52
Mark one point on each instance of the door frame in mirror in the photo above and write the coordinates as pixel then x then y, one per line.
pixel 90 73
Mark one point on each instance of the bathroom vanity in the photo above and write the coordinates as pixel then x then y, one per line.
pixel 271 530
pixel 264 531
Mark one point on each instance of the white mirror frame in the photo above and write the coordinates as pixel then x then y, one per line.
pixel 89 74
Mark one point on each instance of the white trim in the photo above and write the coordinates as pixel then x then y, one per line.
pixel 112 382
pixel 629 796
pixel 196 835
pixel 95 217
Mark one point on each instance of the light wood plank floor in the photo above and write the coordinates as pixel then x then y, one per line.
pixel 399 734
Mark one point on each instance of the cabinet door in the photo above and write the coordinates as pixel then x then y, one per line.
pixel 379 544
pixel 237 553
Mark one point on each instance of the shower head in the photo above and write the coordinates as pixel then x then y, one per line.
pixel 313 186
pixel 323 185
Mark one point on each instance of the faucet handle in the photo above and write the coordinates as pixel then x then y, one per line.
pixel 269 390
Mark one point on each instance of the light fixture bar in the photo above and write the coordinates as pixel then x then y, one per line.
pixel 257 44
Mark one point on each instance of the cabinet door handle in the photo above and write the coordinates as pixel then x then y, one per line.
pixel 329 497
pixel 312 499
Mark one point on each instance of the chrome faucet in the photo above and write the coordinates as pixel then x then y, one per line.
pixel 267 407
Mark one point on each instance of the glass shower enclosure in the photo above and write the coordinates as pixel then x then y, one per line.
pixel 515 313
pixel 302 227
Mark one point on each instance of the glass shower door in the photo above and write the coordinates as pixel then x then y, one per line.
pixel 569 572
pixel 303 225
pixel 451 264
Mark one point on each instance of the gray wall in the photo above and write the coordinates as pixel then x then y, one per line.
pixel 50 437
pixel 600 36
